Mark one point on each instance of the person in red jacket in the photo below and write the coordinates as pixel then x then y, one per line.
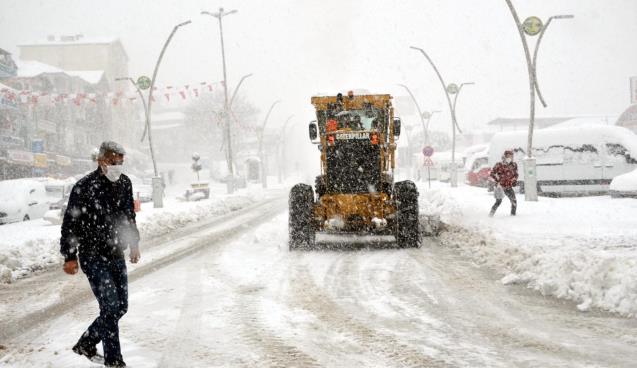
pixel 505 175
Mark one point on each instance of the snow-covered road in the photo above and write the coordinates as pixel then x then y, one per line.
pixel 249 302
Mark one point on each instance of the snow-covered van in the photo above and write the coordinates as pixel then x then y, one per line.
pixel 574 160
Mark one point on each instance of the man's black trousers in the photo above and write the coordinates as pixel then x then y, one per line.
pixel 109 282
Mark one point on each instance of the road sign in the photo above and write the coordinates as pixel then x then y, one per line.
pixel 143 82
pixel 428 162
pixel 40 160
pixel 532 26
pixel 428 151
pixel 452 88
pixel 37 146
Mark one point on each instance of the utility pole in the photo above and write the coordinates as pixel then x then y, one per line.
pixel 158 185
pixel 141 97
pixel 428 115
pixel 230 180
pixel 448 89
pixel 532 26
pixel 425 128
pixel 236 89
pixel 281 147
pixel 260 135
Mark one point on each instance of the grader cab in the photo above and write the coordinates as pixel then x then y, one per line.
pixel 355 192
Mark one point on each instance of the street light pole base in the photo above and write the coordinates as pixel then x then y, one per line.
pixel 230 184
pixel 158 192
pixel 453 179
pixel 530 179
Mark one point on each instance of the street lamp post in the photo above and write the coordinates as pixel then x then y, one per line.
pixel 282 147
pixel 533 28
pixel 141 97
pixel 158 185
pixel 428 115
pixel 454 124
pixel 425 128
pixel 454 170
pixel 236 89
pixel 455 100
pixel 260 134
pixel 219 15
pixel 234 95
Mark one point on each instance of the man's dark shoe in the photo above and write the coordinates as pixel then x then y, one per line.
pixel 90 352
pixel 115 364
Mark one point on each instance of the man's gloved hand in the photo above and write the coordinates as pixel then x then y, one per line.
pixel 134 255
pixel 70 267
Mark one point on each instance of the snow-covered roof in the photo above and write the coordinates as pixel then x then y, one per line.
pixel 32 68
pixel 166 126
pixel 586 121
pixel 5 87
pixel 168 116
pixel 75 41
pixel 90 76
pixel 539 122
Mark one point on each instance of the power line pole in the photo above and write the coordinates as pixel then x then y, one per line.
pixel 219 15
pixel 448 89
pixel 158 185
pixel 262 157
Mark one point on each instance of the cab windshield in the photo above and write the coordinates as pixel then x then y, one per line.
pixel 367 119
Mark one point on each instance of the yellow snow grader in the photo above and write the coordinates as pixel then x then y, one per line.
pixel 355 192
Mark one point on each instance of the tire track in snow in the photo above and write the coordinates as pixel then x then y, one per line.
pixel 309 297
pixel 276 351
pixel 185 340
pixel 247 316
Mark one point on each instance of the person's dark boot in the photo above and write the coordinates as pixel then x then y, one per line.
pixel 116 364
pixel 513 211
pixel 90 352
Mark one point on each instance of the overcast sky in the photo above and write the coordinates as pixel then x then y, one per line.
pixel 296 49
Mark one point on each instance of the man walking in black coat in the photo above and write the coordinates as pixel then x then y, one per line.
pixel 99 224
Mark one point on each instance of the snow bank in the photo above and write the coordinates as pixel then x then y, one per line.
pixel 34 245
pixel 580 249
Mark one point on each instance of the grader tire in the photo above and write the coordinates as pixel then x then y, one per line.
pixel 407 228
pixel 301 204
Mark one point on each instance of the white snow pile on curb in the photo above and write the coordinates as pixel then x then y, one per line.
pixel 578 249
pixel 34 245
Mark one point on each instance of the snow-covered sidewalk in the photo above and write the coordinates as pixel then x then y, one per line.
pixel 31 246
pixel 581 249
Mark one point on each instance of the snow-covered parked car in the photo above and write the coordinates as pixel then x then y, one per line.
pixel 141 188
pixel 57 192
pixel 573 160
pixel 22 200
pixel 624 185
pixel 478 169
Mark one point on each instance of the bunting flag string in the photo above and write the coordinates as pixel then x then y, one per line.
pixel 33 97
